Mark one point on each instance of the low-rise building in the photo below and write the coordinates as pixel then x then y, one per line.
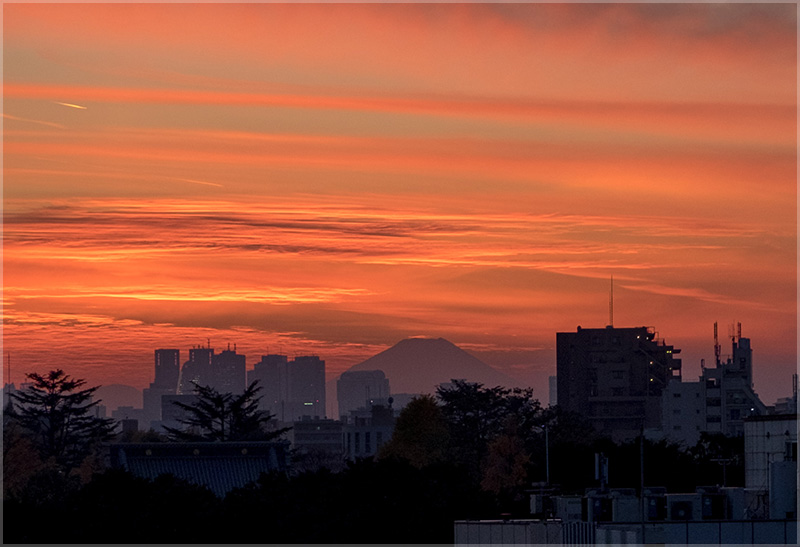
pixel 366 430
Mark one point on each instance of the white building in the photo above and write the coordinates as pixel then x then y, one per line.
pixel 770 459
pixel 718 403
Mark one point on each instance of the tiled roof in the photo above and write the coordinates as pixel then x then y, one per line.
pixel 219 466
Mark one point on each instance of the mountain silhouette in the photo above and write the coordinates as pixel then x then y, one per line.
pixel 418 365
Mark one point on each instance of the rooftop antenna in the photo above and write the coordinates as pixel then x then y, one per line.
pixel 716 344
pixel 209 342
pixel 739 330
pixel 611 304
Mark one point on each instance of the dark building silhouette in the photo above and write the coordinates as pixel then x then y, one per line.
pixel 229 372
pixel 615 377
pixel 291 389
pixel 167 373
pixel 307 387
pixel 168 368
pixel 361 388
pixel 272 376
pixel 364 431
pixel 197 370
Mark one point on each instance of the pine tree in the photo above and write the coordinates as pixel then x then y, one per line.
pixel 224 417
pixel 57 415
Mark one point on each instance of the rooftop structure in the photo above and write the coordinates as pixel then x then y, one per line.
pixel 220 467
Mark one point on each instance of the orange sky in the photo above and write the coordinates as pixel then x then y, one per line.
pixel 330 179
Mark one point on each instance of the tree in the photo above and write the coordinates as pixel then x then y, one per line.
pixel 224 417
pixel 505 470
pixel 476 415
pixel 420 434
pixel 57 416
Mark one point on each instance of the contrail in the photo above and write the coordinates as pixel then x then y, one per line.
pixel 71 105
pixel 28 120
pixel 201 182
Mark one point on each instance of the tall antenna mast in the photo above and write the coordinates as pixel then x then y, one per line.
pixel 716 344
pixel 611 304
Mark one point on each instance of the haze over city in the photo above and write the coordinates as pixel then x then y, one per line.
pixel 330 179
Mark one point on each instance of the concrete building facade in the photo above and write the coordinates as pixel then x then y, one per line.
pixel 718 403
pixel 615 377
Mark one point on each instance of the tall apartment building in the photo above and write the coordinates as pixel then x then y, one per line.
pixel 615 377
pixel 361 389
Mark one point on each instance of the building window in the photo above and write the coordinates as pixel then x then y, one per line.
pixel 736 414
pixel 358 443
pixel 617 391
pixel 676 395
pixel 676 427
pixel 367 444
pixel 676 411
pixel 617 374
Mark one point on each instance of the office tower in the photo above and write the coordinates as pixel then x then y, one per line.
pixel 197 370
pixel 306 387
pixel 168 368
pixel 272 376
pixel 229 372
pixel 167 372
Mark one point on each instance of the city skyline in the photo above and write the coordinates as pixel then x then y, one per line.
pixel 330 179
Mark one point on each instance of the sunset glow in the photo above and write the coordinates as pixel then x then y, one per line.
pixel 332 178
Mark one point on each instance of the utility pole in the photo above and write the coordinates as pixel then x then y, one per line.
pixel 641 479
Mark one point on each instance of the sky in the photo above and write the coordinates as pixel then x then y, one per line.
pixel 330 179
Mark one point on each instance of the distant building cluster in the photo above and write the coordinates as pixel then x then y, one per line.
pixel 292 390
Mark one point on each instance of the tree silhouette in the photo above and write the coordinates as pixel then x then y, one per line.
pixel 476 415
pixel 56 414
pixel 420 434
pixel 224 417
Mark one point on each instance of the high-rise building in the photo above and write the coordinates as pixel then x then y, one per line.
pixel 291 389
pixel 197 370
pixel 615 377
pixel 229 372
pixel 361 389
pixel 272 376
pixel 168 368
pixel 306 387
pixel 167 373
